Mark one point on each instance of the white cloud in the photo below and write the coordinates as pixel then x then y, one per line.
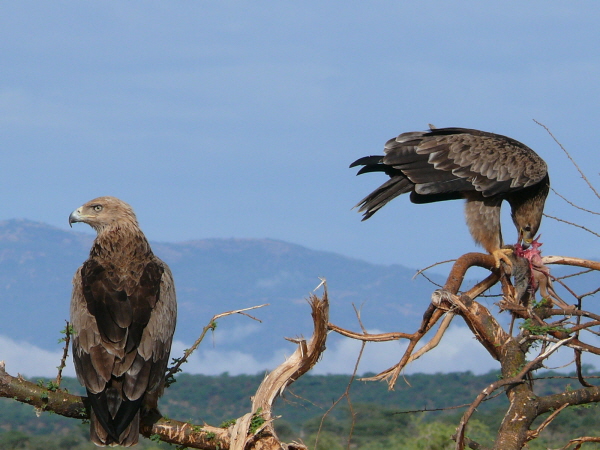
pixel 31 361
pixel 458 351
pixel 216 361
pixel 235 334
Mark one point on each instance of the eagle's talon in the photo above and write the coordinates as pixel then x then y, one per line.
pixel 502 254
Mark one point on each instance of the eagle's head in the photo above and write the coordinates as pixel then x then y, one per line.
pixel 527 210
pixel 527 228
pixel 104 212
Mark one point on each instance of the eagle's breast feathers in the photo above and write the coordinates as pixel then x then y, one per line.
pixel 123 311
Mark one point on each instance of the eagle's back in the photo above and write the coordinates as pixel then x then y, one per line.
pixel 123 311
pixel 449 163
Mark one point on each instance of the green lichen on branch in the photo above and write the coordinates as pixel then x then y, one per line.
pixel 256 422
pixel 534 328
pixel 228 423
pixel 68 331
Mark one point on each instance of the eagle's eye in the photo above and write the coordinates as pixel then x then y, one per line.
pixel 97 208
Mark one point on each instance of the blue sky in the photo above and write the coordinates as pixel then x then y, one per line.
pixel 239 119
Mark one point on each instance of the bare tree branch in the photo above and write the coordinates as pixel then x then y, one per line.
pixel 570 261
pixel 570 158
pixel 184 433
pixel 63 360
pixel 460 434
pixel 573 204
pixel 212 324
pixel 572 224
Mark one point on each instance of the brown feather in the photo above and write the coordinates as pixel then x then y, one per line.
pixel 123 310
pixel 451 163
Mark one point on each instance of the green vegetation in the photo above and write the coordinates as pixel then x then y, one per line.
pixel 228 423
pixel 376 418
pixel 256 422
pixel 68 330
pixel 533 328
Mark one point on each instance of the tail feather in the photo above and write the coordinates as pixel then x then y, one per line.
pixel 383 194
pixel 114 422
pixel 102 438
pixel 98 434
pixel 373 168
pixel 367 160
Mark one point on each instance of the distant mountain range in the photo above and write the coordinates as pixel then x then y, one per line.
pixel 37 263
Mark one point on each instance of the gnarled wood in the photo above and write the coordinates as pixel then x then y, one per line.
pixel 193 435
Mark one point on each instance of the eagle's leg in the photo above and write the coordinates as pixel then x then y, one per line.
pixel 483 218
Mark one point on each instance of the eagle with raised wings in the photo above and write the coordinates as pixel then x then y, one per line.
pixel 123 312
pixel 453 163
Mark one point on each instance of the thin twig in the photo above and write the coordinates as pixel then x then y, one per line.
pixel 595 291
pixel 563 377
pixel 428 279
pixel 571 275
pixel 435 340
pixel 572 224
pixel 569 156
pixel 573 204
pixel 580 441
pixel 534 434
pixel 240 311
pixel 491 397
pixel 580 376
pixel 420 271
pixel 564 285
pixel 540 337
pixel 212 324
pixel 63 361
pixel 357 312
pixel 346 395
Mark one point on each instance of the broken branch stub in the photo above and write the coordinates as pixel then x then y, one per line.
pixel 301 361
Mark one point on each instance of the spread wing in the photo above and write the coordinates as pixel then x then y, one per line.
pixel 123 334
pixel 445 164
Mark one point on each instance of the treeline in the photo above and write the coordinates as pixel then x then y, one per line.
pixel 420 414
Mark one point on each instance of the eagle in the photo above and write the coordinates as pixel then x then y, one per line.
pixel 453 163
pixel 123 312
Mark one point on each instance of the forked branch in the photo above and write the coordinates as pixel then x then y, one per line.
pixel 191 435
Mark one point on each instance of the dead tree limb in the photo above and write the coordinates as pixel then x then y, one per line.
pixel 243 436
pixel 510 351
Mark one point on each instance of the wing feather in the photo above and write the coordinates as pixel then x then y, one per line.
pixel 491 164
pixel 122 343
pixel 486 160
pixel 450 163
pixel 136 378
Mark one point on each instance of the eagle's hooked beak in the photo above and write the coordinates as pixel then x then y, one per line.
pixel 75 216
pixel 525 242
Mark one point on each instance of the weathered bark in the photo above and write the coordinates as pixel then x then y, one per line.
pixel 508 349
pixel 237 437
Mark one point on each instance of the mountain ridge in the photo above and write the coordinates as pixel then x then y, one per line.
pixel 212 276
pixel 37 262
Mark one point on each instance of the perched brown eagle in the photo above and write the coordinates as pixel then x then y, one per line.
pixel 123 311
pixel 452 163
